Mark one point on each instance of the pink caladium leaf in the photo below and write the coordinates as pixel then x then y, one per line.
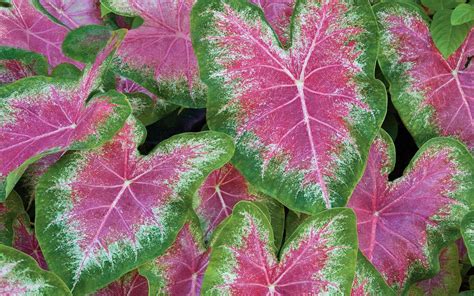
pixel 300 116
pixel 159 55
pixel 447 281
pixel 131 284
pixel 180 270
pixel 433 95
pixel 23 26
pixel 105 211
pixel 368 281
pixel 467 230
pixel 20 275
pixel 73 13
pixel 16 64
pixel 278 14
pixel 404 224
pixel 42 115
pixel 243 260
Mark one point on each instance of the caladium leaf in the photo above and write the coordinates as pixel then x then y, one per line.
pixel 73 13
pixel 180 270
pixel 278 14
pixel 23 26
pixel 83 44
pixel 404 224
pixel 243 260
pixel 105 211
pixel 9 212
pixel 131 284
pixel 467 230
pixel 433 95
pixel 20 275
pixel 368 281
pixel 447 281
pixel 41 115
pixel 300 117
pixel 159 55
pixel 17 63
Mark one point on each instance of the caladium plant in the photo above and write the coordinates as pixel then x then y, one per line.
pixel 23 26
pixel 131 284
pixel 105 211
pixel 278 14
pixel 403 225
pixel 300 116
pixel 20 275
pixel 42 115
pixel 243 259
pixel 368 281
pixel 17 63
pixel 73 13
pixel 433 95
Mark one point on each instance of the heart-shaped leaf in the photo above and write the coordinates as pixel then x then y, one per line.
pixel 131 284
pixel 433 95
pixel 180 270
pixel 278 14
pixel 103 212
pixel 467 230
pixel 448 279
pixel 23 26
pixel 20 275
pixel 17 63
pixel 41 115
pixel 404 224
pixel 368 281
pixel 159 54
pixel 243 260
pixel 300 117
pixel 73 13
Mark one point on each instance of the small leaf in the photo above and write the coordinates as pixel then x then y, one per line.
pixel 431 93
pixel 105 211
pixel 448 38
pixel 73 13
pixel 179 271
pixel 131 284
pixel 467 230
pixel 20 275
pixel 84 43
pixel 300 117
pixel 42 115
pixel 404 224
pixel 447 281
pixel 368 281
pixel 22 26
pixel 159 55
pixel 16 64
pixel 463 13
pixel 243 260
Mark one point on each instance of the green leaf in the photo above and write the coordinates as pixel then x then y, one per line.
pixel 20 275
pixel 368 281
pixel 447 37
pixel 437 5
pixel 467 231
pixel 463 13
pixel 9 211
pixel 66 70
pixel 83 43
pixel 16 63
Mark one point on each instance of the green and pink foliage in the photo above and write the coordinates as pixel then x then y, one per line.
pixel 368 281
pixel 403 225
pixel 131 284
pixel 42 115
pixel 467 230
pixel 73 13
pixel 23 26
pixel 434 96
pixel 319 258
pixel 16 64
pixel 105 211
pixel 302 116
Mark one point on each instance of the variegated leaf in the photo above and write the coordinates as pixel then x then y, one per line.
pixel 278 14
pixel 433 95
pixel 17 63
pixel 467 230
pixel 159 55
pixel 319 258
pixel 42 115
pixel 73 13
pixel 303 118
pixel 368 281
pixel 404 224
pixel 105 211
pixel 20 275
pixel 131 284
